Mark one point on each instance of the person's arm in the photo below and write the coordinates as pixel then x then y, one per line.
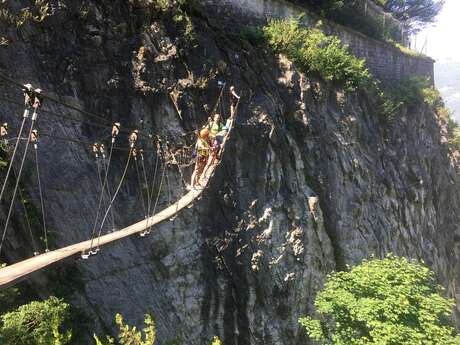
pixel 235 95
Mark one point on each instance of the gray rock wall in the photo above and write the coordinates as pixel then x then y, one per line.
pixel 312 179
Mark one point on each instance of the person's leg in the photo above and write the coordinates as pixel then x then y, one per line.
pixel 195 172
pixel 199 172
pixel 212 158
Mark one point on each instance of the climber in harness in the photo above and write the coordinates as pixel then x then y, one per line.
pixel 234 99
pixel 214 126
pixel 202 153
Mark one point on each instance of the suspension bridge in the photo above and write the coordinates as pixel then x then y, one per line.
pixel 166 155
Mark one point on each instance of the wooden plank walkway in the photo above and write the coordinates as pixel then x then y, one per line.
pixel 11 274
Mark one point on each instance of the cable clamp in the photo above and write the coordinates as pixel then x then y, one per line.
pixel 95 149
pixel 34 138
pixel 133 138
pixel 37 102
pixel 115 130
pixel 4 130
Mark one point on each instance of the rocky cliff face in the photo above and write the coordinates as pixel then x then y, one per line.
pixel 311 181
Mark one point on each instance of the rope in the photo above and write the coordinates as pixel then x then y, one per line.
pixel 54 114
pixel 17 184
pixel 101 185
pixel 144 207
pixel 113 199
pixel 26 115
pixel 156 201
pixel 85 143
pixel 168 184
pixel 93 232
pixel 21 195
pixel 109 194
pixel 218 99
pixel 153 185
pixel 41 198
pixel 84 112
pixel 149 200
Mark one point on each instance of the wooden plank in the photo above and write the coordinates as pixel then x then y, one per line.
pixel 11 274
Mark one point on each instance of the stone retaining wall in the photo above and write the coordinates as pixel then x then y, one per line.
pixel 385 61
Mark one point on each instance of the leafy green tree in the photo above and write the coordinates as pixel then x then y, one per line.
pixel 36 323
pixel 390 301
pixel 416 13
pixel 130 335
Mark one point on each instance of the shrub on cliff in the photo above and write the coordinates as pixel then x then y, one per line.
pixel 130 335
pixel 36 323
pixel 409 92
pixel 389 301
pixel 315 52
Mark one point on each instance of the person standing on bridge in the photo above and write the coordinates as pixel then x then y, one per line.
pixel 202 153
pixel 214 126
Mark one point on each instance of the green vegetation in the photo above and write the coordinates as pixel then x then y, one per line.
pixel 130 335
pixel 36 323
pixel 389 301
pixel 36 13
pixel 453 128
pixel 454 138
pixel 354 14
pixel 315 52
pixel 409 92
pixel 177 10
pixel 46 323
pixel 415 13
pixel 406 50
pixel 216 341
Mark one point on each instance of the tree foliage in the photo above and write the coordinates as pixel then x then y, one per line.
pixel 416 13
pixel 36 323
pixel 315 52
pixel 389 301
